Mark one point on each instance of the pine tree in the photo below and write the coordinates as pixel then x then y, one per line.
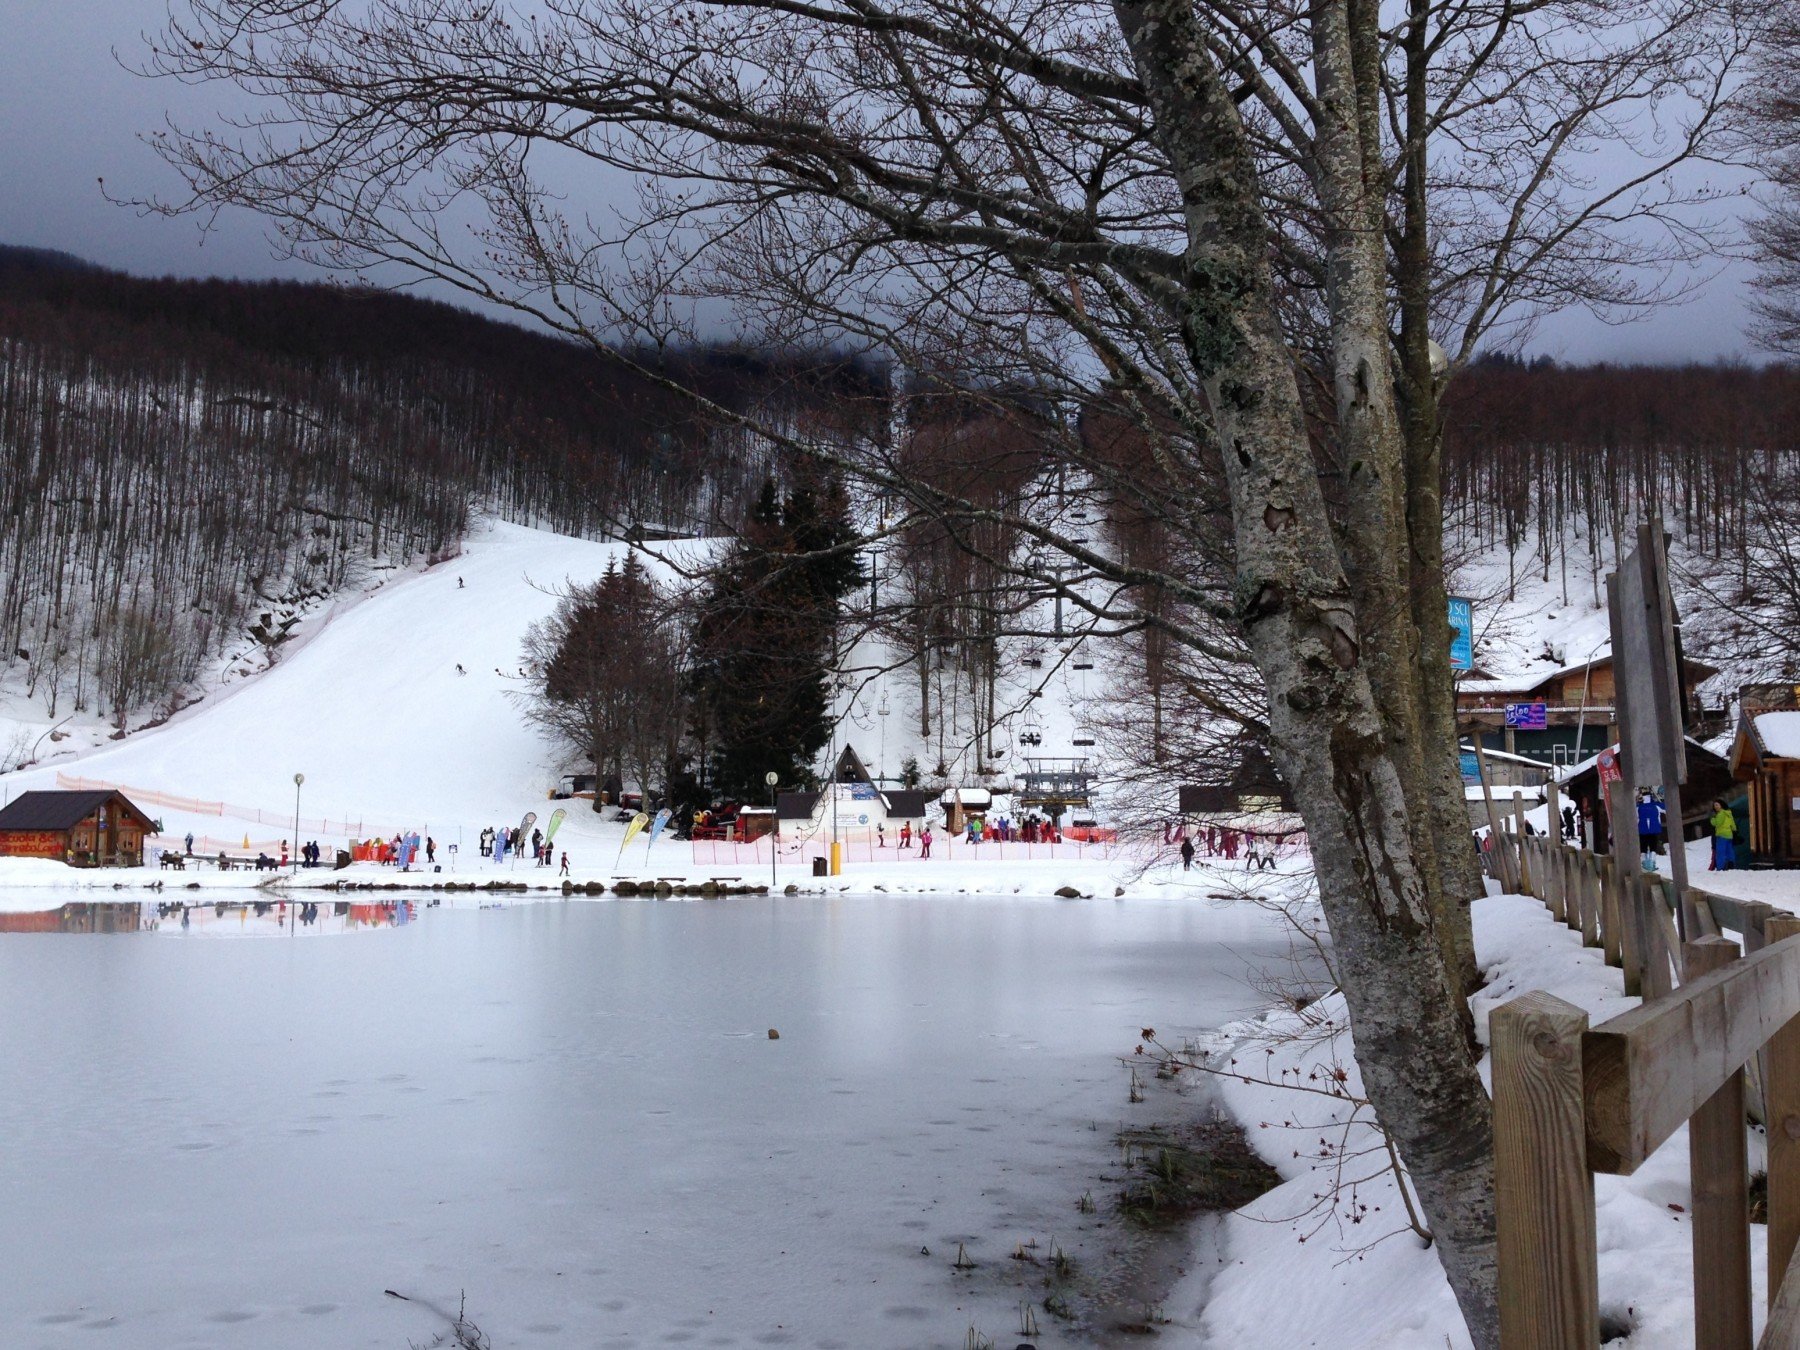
pixel 764 647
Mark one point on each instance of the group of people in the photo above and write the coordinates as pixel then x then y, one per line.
pixel 503 842
pixel 1225 842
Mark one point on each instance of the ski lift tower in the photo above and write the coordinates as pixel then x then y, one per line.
pixel 1054 785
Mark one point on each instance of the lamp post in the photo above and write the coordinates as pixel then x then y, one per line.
pixel 772 778
pixel 299 778
pixel 882 710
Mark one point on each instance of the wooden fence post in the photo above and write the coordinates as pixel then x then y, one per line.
pixel 1543 1191
pixel 1719 1168
pixel 1781 1098
pixel 1519 829
pixel 1629 933
pixel 1588 883
pixel 1594 879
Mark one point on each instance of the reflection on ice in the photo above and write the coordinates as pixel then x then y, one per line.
pixel 248 918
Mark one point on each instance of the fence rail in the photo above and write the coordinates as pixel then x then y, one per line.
pixel 1716 1040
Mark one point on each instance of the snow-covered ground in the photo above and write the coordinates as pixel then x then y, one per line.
pixel 370 707
pixel 574 1113
pixel 1290 1272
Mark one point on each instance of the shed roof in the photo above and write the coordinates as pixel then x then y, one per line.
pixel 47 810
pixel 1779 733
pixel 976 798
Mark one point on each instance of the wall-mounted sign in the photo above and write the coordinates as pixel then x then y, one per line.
pixel 1462 634
pixel 1527 716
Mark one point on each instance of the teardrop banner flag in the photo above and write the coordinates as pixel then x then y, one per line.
pixel 631 832
pixel 556 819
pixel 663 817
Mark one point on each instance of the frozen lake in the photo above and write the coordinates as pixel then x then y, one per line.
pixel 573 1112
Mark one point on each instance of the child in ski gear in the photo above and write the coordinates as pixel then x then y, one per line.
pixel 565 864
pixel 1187 854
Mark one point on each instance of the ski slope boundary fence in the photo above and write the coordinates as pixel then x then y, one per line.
pixel 193 806
pixel 865 847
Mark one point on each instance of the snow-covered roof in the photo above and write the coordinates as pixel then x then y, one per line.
pixel 1779 733
pixel 971 796
pixel 1489 753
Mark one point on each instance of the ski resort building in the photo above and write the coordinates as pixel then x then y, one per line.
pixel 1766 755
pixel 860 805
pixel 85 829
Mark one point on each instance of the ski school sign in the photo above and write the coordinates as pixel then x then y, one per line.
pixel 1462 634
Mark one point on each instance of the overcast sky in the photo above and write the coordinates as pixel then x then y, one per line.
pixel 70 115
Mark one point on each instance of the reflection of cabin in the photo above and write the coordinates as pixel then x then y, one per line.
pixel 86 829
pixel 1766 755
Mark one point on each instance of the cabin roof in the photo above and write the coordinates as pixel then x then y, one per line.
pixel 48 810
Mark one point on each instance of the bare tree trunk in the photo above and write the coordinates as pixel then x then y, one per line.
pixel 1308 640
pixel 1459 870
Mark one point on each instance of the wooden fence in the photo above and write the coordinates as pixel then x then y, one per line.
pixel 1620 908
pixel 1716 1040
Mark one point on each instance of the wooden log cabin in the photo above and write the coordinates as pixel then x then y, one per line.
pixel 99 828
pixel 1766 755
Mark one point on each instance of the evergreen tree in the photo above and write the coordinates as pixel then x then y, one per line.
pixel 764 644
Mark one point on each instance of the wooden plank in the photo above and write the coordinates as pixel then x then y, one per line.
pixel 1719 1169
pixel 1582 877
pixel 1501 852
pixel 1543 1191
pixel 1541 869
pixel 1611 940
pixel 1783 1330
pixel 1519 828
pixel 1663 904
pixel 1631 938
pixel 1653 939
pixel 1781 1097
pixel 1741 916
pixel 1646 1071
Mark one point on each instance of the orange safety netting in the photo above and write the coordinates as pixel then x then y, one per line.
pixel 193 806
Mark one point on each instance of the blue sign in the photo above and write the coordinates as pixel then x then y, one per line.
pixel 1526 716
pixel 1471 771
pixel 1462 634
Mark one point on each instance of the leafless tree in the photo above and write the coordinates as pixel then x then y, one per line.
pixel 1151 203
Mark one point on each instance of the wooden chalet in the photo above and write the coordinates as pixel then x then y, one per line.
pixel 1765 753
pixel 1579 702
pixel 862 802
pixel 99 828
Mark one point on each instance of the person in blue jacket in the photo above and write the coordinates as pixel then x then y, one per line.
pixel 1650 828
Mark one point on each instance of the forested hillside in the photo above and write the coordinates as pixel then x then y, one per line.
pixel 188 462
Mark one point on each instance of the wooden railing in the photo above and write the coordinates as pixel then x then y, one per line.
pixel 1625 911
pixel 1570 1102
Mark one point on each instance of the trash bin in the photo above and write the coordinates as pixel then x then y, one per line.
pixel 821 867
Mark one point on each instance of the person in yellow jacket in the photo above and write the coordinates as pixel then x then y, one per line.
pixel 1724 828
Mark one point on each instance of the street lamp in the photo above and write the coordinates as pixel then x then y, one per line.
pixel 299 778
pixel 772 778
pixel 882 711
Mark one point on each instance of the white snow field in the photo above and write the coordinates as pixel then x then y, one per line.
pixel 371 709
pixel 574 1113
